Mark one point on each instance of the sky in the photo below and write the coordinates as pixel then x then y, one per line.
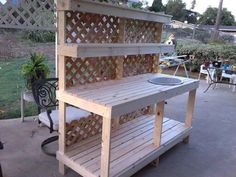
pixel 202 5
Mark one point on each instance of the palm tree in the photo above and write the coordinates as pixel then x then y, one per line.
pixel 217 24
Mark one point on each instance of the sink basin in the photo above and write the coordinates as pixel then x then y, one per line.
pixel 165 81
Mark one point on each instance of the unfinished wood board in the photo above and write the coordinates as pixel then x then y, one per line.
pixel 116 98
pixel 129 144
pixel 114 10
pixel 104 50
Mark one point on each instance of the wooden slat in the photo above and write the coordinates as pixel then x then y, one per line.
pixel 115 49
pixel 62 86
pixel 158 123
pixel 123 96
pixel 125 152
pixel 123 148
pixel 114 10
pixel 96 108
pixel 122 131
pixel 190 107
pixel 106 143
pixel 138 162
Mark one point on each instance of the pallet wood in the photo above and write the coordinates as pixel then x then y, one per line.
pixel 125 142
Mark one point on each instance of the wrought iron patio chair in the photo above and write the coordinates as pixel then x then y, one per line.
pixel 214 80
pixel 1 147
pixel 44 92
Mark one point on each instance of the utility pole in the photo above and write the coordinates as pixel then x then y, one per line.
pixel 218 19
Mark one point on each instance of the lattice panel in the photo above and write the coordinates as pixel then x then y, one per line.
pixel 89 70
pixel 138 64
pixel 130 116
pixel 91 28
pixel 137 31
pixel 89 126
pixel 81 129
pixel 28 14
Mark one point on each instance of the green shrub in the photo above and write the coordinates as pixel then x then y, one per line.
pixel 39 36
pixel 206 51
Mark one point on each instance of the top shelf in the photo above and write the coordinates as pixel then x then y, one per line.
pixel 111 9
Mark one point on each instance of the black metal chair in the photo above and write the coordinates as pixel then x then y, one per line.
pixel 44 92
pixel 215 80
pixel 1 147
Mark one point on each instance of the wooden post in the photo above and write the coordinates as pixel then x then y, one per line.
pixel 190 107
pixel 158 123
pixel 106 142
pixel 158 127
pixel 22 106
pixel 120 65
pixel 62 86
pixel 120 60
pixel 159 107
pixel 157 40
pixel 62 122
pixel 189 114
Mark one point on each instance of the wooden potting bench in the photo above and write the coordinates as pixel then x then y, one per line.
pixel 107 54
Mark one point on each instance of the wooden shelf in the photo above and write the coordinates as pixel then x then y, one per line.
pixel 111 9
pixel 117 97
pixel 113 49
pixel 131 144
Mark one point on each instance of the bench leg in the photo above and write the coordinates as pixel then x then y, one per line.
pixel 61 168
pixel 1 175
pixel 186 140
pixel 156 162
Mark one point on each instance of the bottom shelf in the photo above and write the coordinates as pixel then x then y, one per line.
pixel 131 147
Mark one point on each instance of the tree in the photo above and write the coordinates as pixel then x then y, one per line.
pixel 157 6
pixel 176 8
pixel 193 4
pixel 218 19
pixel 209 17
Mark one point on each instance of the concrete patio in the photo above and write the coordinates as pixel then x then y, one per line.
pixel 210 153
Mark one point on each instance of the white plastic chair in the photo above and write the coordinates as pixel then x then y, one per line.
pixel 231 77
pixel 204 71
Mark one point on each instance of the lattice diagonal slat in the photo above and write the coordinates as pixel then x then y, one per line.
pixel 28 14
pixel 138 64
pixel 138 31
pixel 91 28
pixel 89 70
pixel 89 126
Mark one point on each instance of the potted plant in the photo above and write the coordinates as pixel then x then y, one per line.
pixel 34 69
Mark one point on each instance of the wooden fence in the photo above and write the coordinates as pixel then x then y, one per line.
pixel 28 14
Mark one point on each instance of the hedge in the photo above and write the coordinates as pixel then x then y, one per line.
pixel 206 51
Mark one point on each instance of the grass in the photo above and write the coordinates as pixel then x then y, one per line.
pixel 11 86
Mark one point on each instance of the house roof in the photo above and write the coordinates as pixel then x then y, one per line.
pixel 221 28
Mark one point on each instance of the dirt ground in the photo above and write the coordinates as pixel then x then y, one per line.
pixel 12 45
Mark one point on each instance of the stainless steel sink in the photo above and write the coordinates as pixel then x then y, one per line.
pixel 165 81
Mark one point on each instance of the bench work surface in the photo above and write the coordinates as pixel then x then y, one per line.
pixel 117 97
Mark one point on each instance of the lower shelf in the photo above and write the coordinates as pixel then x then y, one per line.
pixel 131 147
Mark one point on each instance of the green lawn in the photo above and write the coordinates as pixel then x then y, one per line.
pixel 11 85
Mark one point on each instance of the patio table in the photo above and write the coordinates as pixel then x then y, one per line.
pixel 214 77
